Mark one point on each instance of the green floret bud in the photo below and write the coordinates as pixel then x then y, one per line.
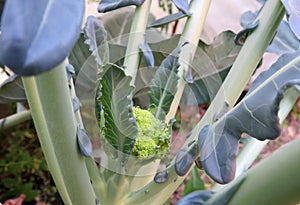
pixel 153 138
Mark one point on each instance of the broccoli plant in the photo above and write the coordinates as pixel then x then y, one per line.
pixel 98 82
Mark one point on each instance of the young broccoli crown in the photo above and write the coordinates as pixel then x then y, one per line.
pixel 153 138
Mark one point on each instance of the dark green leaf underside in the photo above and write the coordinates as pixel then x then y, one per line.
pixel 255 115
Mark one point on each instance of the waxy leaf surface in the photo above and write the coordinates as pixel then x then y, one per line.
pixel 255 115
pixel 293 9
pixel 164 84
pixel 84 142
pixel 34 42
pixel 109 5
pixel 182 5
pixel 12 90
pixel 96 39
pixel 208 197
pixel 148 55
pixel 184 160
pixel 284 41
pixel 167 19
pixel 114 103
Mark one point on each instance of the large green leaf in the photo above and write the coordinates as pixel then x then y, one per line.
pixel 210 67
pixel 164 84
pixel 114 104
pixel 34 42
pixel 255 115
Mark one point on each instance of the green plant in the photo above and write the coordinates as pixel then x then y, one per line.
pixel 23 168
pixel 114 75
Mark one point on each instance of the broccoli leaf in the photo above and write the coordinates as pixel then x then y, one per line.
pixel 184 160
pixel 79 54
pixel 208 197
pixel 96 38
pixel 34 42
pixel 167 19
pixel 12 90
pixel 255 115
pixel 211 65
pixel 284 41
pixel 148 55
pixel 164 84
pixel 109 5
pixel 293 9
pixel 114 99
pixel 182 5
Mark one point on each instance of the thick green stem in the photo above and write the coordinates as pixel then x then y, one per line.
pixel 240 73
pixel 52 111
pixel 14 119
pixel 136 37
pixel 191 34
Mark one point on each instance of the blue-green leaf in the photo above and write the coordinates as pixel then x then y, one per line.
pixel 208 197
pixel 163 85
pixel 248 18
pixel 211 65
pixel 148 55
pixel 255 115
pixel 284 41
pixel 243 34
pixel 293 9
pixel 182 5
pixel 114 103
pixel 79 54
pixel 12 90
pixel 34 42
pixel 84 142
pixel 96 39
pixel 167 19
pixel 109 5
pixel 184 160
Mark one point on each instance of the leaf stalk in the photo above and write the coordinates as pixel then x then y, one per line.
pixel 52 112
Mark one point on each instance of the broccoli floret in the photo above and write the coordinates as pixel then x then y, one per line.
pixel 153 138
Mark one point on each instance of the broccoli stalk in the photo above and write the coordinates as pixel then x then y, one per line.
pixel 154 136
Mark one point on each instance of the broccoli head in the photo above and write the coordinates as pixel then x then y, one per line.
pixel 154 137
